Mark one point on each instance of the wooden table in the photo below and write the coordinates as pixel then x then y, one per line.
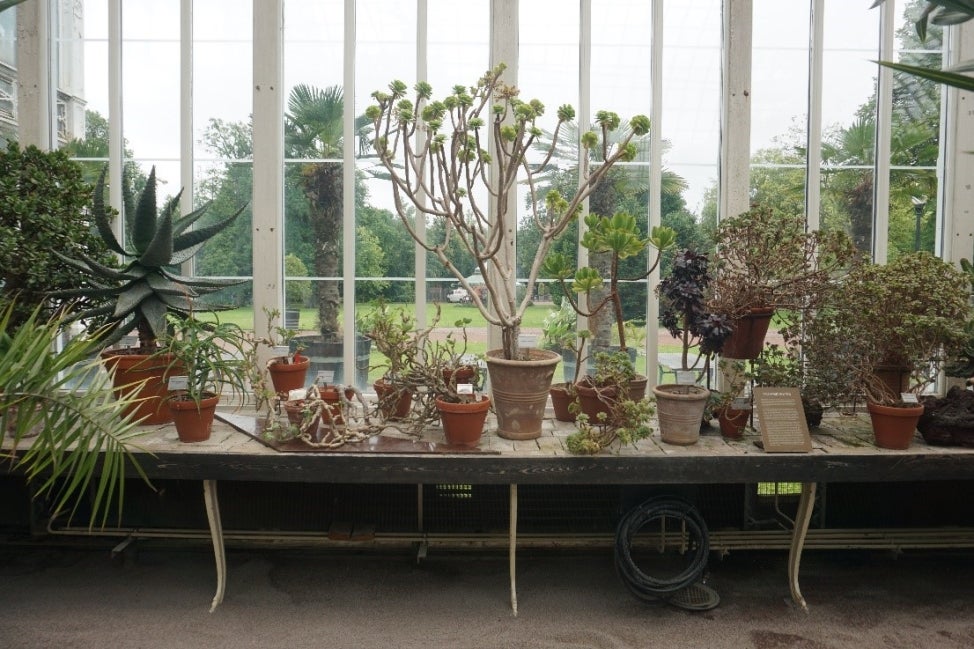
pixel 842 452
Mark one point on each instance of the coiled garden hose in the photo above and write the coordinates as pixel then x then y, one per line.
pixel 676 522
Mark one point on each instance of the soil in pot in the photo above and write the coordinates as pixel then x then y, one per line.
pixel 463 423
pixel 288 376
pixel 193 423
pixel 894 427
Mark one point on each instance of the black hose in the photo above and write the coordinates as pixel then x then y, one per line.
pixel 657 510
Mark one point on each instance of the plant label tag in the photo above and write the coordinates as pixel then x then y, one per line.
pixel 280 350
pixel 464 388
pixel 686 377
pixel 178 383
pixel 297 395
pixel 469 359
pixel 741 403
pixel 325 377
pixel 908 397
pixel 527 340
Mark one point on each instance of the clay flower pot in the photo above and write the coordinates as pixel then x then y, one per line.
pixel 733 421
pixel 193 423
pixel 463 423
pixel 145 377
pixel 747 340
pixel 561 398
pixel 394 401
pixel 894 427
pixel 288 376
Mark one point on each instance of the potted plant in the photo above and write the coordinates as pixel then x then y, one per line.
pixel 607 407
pixel 436 154
pixel 558 334
pixel 144 290
pixel 71 428
pixel 766 261
pixel 909 313
pixel 783 367
pixel 393 332
pixel 732 406
pixel 289 369
pixel 205 358
pixel 462 406
pixel 683 311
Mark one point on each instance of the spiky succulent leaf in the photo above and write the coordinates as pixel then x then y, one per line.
pixel 182 224
pixel 202 282
pixel 103 216
pixel 144 223
pixel 179 256
pixel 90 267
pixel 199 235
pixel 160 249
pixel 163 285
pixel 130 298
pixel 153 310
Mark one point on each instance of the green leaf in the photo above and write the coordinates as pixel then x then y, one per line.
pixel 200 235
pixel 144 223
pixel 130 299
pixel 103 217
pixel 953 79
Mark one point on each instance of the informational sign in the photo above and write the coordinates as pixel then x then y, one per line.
pixel 178 383
pixel 781 420
pixel 527 340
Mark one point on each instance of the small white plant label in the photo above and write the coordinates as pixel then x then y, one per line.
pixel 469 359
pixel 464 388
pixel 686 377
pixel 297 395
pixel 527 340
pixel 178 383
pixel 280 350
pixel 326 376
pixel 741 403
pixel 909 397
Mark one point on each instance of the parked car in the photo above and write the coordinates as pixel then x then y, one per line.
pixel 458 295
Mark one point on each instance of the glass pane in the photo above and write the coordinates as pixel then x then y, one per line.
pixel 847 204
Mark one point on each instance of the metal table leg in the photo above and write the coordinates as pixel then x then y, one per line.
pixel 216 534
pixel 512 546
pixel 805 506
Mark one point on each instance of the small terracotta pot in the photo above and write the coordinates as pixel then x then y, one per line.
pixel 394 401
pixel 295 415
pixel 732 422
pixel 561 398
pixel 193 424
pixel 894 427
pixel 463 423
pixel 288 376
pixel 329 394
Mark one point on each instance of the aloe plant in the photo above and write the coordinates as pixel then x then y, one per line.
pixel 146 288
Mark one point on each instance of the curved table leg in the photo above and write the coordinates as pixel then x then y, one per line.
pixel 512 546
pixel 216 535
pixel 805 506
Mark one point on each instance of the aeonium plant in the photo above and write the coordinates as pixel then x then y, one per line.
pixel 446 157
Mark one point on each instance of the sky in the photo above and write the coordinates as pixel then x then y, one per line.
pixel 458 54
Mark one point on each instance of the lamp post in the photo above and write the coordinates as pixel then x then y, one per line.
pixel 919 204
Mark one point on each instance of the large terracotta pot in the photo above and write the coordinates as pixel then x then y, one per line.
pixel 193 424
pixel 463 423
pixel 288 376
pixel 679 410
pixel 145 378
pixel 747 339
pixel 519 390
pixel 894 427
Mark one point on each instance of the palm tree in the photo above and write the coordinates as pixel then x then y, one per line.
pixel 313 129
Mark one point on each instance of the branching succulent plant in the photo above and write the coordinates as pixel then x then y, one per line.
pixel 145 288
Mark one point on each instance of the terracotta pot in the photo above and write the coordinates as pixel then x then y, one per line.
pixel 394 401
pixel 193 424
pixel 733 422
pixel 561 398
pixel 894 427
pixel 329 394
pixel 679 411
pixel 144 377
pixel 594 400
pixel 455 377
pixel 295 416
pixel 519 390
pixel 463 423
pixel 747 340
pixel 288 376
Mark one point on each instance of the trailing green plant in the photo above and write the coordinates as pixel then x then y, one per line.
pixel 84 443
pixel 626 420
pixel 210 354
pixel 43 207
pixel 141 293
